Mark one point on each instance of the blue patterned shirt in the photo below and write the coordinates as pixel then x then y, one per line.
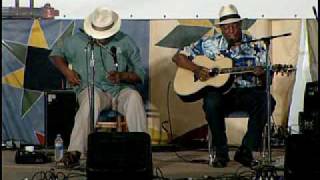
pixel 245 55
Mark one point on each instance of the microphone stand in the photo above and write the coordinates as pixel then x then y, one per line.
pixel 268 81
pixel 116 64
pixel 266 41
pixel 113 53
pixel 92 72
pixel 91 86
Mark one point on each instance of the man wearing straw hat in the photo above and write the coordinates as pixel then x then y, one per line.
pixel 118 69
pixel 245 94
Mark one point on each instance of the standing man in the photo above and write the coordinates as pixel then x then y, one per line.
pixel 246 93
pixel 112 85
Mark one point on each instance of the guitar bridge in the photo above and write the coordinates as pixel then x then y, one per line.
pixel 214 71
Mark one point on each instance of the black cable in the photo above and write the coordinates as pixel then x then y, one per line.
pixel 246 173
pixel 169 120
pixel 158 169
pixel 239 168
pixel 181 157
pixel 156 173
pixel 171 130
pixel 160 175
pixel 49 175
pixel 75 175
pixel 162 126
pixel 168 109
pixel 42 175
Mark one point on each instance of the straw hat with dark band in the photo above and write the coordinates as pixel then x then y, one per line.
pixel 228 14
pixel 102 23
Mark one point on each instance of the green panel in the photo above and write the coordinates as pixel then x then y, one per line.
pixel 29 99
pixel 17 49
pixel 247 23
pixel 182 36
pixel 68 32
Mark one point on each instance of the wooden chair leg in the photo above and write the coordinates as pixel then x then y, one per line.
pixel 119 126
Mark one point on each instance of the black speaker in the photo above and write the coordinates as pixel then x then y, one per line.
pixel 309 122
pixel 115 156
pixel 40 73
pixel 60 108
pixel 312 97
pixel 302 157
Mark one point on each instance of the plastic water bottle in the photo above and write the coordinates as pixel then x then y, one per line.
pixel 58 148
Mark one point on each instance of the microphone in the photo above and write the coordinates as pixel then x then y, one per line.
pixel 113 50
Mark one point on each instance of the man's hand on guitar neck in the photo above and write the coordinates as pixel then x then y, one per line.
pixel 258 71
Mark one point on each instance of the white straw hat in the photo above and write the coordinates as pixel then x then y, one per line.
pixel 102 23
pixel 228 14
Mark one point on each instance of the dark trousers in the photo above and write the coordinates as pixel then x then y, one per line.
pixel 251 100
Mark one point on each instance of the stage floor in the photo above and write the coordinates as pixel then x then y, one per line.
pixel 169 163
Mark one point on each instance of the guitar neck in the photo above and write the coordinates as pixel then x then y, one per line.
pixel 236 70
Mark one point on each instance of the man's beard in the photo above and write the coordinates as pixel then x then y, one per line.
pixel 233 41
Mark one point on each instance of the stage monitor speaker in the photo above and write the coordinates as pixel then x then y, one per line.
pixel 61 107
pixel 309 123
pixel 302 157
pixel 312 97
pixel 119 156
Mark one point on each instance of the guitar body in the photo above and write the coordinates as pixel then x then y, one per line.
pixel 191 89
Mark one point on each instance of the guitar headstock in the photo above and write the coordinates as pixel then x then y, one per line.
pixel 283 69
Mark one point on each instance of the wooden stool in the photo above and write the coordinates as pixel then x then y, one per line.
pixel 110 119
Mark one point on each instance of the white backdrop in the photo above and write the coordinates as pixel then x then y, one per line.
pixel 180 9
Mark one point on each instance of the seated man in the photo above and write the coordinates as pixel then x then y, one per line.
pixel 246 92
pixel 118 69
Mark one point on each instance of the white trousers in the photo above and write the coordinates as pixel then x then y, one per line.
pixel 129 102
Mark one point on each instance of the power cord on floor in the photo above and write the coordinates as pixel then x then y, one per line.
pixel 159 175
pixel 171 130
pixel 52 174
pixel 75 175
pixel 168 111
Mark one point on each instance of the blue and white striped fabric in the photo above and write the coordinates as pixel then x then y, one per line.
pixel 245 55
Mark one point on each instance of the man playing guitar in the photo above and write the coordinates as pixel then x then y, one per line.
pixel 245 94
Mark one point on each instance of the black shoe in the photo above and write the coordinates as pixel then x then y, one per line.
pixel 220 162
pixel 71 159
pixel 221 158
pixel 244 156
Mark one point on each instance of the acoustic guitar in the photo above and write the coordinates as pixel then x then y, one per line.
pixel 187 84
